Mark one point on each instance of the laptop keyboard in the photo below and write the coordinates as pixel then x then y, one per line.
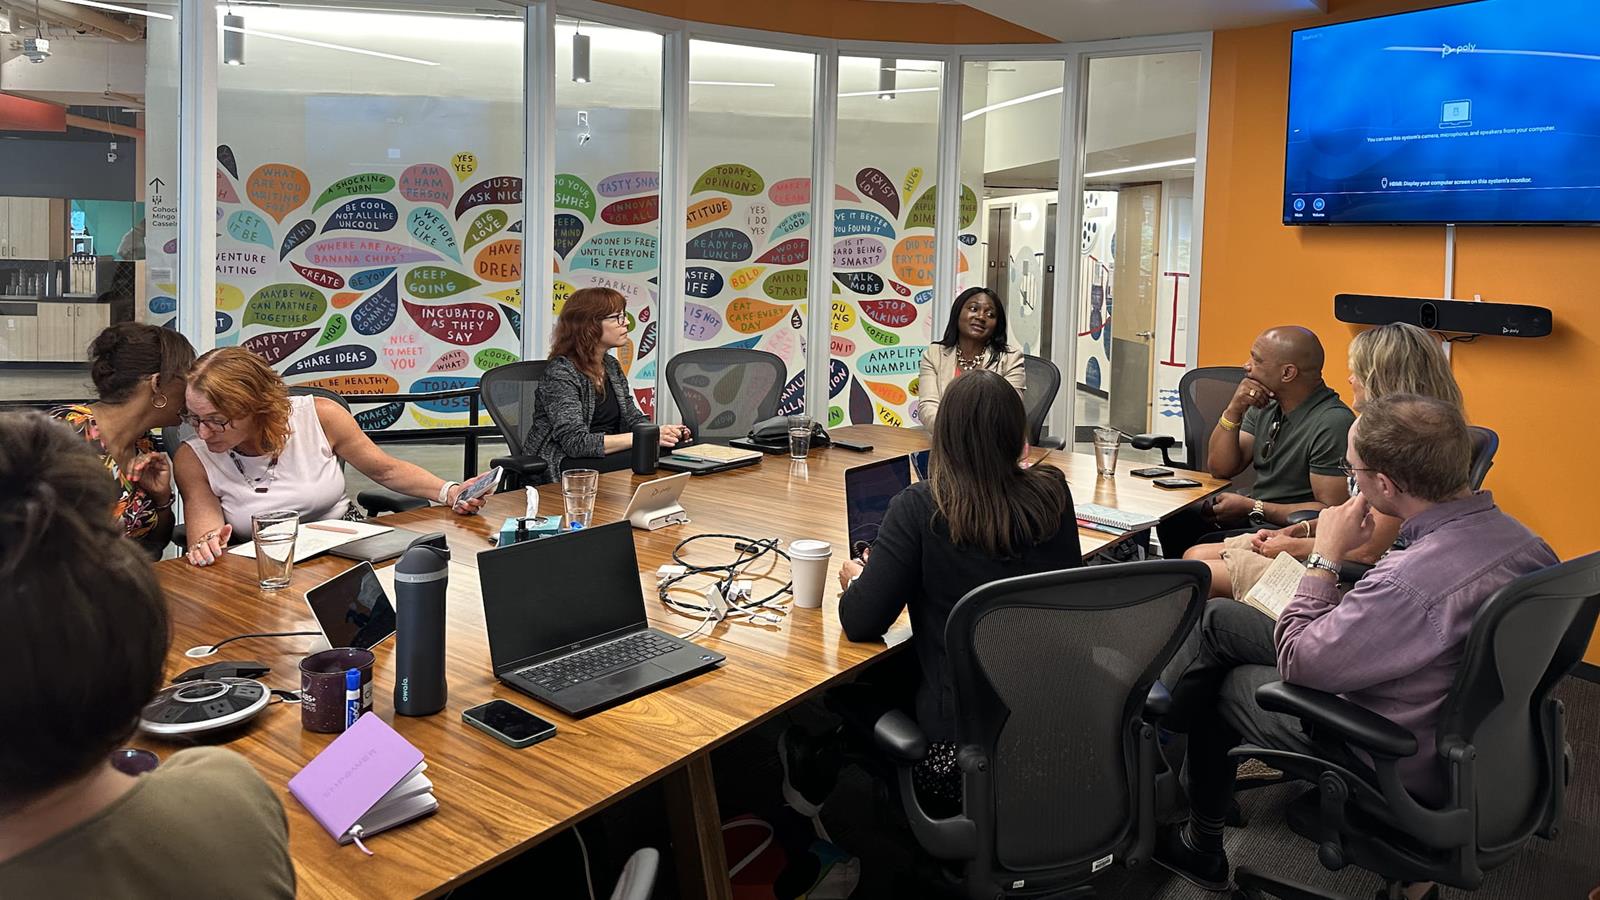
pixel 559 674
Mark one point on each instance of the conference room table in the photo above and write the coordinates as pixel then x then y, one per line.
pixel 495 801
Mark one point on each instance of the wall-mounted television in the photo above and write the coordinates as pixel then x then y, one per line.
pixel 1479 113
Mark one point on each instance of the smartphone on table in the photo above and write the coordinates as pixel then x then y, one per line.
pixel 509 723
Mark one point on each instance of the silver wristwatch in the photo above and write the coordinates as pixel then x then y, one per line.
pixel 1318 561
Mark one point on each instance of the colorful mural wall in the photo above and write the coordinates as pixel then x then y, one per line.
pixel 370 283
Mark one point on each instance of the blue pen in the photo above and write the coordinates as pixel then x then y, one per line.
pixel 352 696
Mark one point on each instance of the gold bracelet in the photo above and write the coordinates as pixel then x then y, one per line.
pixel 1307 524
pixel 1227 425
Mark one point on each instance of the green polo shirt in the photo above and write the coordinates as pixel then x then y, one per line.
pixel 1310 441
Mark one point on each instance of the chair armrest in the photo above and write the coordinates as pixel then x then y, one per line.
pixel 525 466
pixel 1051 442
pixel 899 737
pixel 1302 515
pixel 380 501
pixel 1151 441
pixel 1353 724
pixel 1157 703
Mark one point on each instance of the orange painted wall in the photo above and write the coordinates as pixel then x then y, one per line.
pixel 1539 394
pixel 866 20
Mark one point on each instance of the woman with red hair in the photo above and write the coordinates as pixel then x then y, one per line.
pixel 258 449
pixel 585 409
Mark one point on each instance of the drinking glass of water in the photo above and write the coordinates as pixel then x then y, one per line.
pixel 275 533
pixel 1106 442
pixel 799 436
pixel 578 487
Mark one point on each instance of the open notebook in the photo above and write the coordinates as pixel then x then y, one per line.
pixel 1276 587
pixel 369 779
pixel 319 537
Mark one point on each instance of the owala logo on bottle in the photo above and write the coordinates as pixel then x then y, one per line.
pixel 405 690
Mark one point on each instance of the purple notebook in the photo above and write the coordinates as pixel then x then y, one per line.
pixel 348 779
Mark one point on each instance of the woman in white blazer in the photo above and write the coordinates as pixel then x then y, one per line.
pixel 974 338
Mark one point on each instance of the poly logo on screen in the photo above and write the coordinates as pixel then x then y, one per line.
pixel 1456 114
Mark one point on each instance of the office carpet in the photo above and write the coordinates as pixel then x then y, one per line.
pixel 1566 868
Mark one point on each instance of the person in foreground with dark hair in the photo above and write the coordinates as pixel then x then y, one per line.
pixel 978 518
pixel 974 339
pixel 138 371
pixel 585 409
pixel 1392 644
pixel 82 654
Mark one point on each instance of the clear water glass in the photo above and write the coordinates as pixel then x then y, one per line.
pixel 275 534
pixel 1106 442
pixel 799 436
pixel 578 487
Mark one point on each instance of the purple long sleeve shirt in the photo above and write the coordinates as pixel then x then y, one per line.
pixel 1393 642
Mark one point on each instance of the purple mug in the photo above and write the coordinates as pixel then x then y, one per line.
pixel 322 687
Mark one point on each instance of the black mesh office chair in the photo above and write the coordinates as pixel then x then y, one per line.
pixel 638 878
pixel 722 391
pixel 1041 383
pixel 1203 394
pixel 510 393
pixel 1501 738
pixel 1058 754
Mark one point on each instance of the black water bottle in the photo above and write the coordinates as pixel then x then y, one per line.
pixel 420 579
pixel 646 448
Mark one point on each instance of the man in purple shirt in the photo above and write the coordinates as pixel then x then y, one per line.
pixel 1391 644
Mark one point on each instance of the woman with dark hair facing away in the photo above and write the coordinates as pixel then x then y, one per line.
pixel 974 338
pixel 978 518
pixel 138 371
pixel 257 448
pixel 85 641
pixel 585 409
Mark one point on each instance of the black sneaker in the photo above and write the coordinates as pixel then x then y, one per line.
pixel 810 768
pixel 1384 893
pixel 1206 870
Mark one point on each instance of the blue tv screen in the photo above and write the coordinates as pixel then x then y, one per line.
pixel 1486 112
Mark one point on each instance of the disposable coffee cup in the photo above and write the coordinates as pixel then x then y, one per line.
pixel 322 687
pixel 808 565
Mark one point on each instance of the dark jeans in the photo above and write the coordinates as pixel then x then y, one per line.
pixel 1213 680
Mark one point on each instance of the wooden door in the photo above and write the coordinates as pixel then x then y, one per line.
pixel 19 332
pixel 1133 310
pixel 20 220
pixel 88 320
pixel 5 228
pixel 55 333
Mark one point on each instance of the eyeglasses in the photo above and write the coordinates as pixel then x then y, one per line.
pixel 1350 471
pixel 1272 437
pixel 213 423
pixel 620 318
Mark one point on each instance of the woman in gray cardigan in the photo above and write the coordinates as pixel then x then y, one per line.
pixel 584 407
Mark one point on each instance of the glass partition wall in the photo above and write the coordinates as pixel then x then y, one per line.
pixel 370 208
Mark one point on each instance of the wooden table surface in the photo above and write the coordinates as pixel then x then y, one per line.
pixel 495 801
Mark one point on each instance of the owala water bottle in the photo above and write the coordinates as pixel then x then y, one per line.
pixel 420 579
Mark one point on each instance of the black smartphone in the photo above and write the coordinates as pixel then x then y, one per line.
pixel 852 445
pixel 510 724
pixel 1152 472
pixel 1173 483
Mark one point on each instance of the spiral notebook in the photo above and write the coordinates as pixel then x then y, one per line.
pixel 368 780
pixel 1110 518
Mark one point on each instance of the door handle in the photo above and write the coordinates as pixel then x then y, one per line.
pixel 1144 334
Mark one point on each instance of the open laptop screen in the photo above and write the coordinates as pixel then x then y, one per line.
pixel 867 492
pixel 559 591
pixel 352 608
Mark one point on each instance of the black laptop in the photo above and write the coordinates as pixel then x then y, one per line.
pixel 567 626
pixel 868 490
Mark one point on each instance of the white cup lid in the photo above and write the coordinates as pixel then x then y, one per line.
pixel 808 549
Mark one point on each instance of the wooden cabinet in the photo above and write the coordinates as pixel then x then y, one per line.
pixel 19 332
pixel 32 228
pixel 65 330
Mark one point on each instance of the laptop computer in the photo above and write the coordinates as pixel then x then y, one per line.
pixel 867 492
pixel 352 608
pixel 566 622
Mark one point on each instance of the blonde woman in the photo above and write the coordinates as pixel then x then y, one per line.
pixel 258 449
pixel 1390 359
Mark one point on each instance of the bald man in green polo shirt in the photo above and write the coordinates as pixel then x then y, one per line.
pixel 1285 422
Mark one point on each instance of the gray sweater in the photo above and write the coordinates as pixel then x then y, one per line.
pixel 564 408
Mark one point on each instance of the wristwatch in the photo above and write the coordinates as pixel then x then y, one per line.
pixel 1258 516
pixel 1318 561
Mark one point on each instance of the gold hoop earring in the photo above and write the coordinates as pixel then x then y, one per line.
pixel 160 402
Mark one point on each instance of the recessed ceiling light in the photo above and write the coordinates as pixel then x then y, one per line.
pixel 1141 168
pixel 761 84
pixel 327 46
pixel 1012 102
pixel 121 9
